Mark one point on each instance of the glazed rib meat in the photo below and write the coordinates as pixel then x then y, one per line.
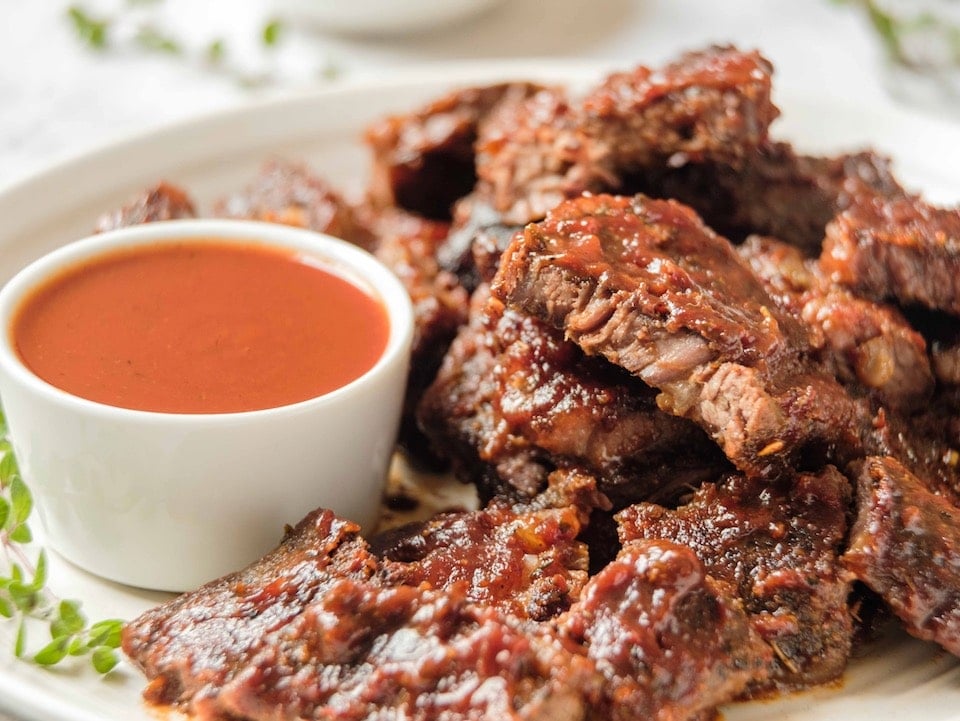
pixel 927 443
pixel 525 561
pixel 875 352
pixel 864 344
pixel 321 628
pixel 533 152
pixel 712 103
pixel 407 245
pixel 407 653
pixel 646 285
pixel 778 547
pixel 905 546
pixel 901 248
pixel 772 191
pixel 424 160
pixel 323 607
pixel 164 201
pixel 291 194
pixel 513 400
pixel 193 646
pixel 669 641
pixel 709 104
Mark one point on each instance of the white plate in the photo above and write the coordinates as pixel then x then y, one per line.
pixel 897 679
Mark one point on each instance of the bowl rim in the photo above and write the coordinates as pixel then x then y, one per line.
pixel 344 259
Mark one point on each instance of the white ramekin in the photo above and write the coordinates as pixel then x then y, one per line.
pixel 168 501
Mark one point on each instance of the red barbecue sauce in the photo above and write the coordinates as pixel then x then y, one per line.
pixel 199 327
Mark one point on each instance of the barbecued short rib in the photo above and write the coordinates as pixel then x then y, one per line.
pixel 314 630
pixel 905 545
pixel 525 562
pixel 369 653
pixel 533 152
pixel 322 628
pixel 407 245
pixel 772 191
pixel 778 547
pixel 901 248
pixel 292 194
pixel 868 346
pixel 669 641
pixel 322 607
pixel 478 236
pixel 164 201
pixel 713 103
pixel 645 284
pixel 423 161
pixel 513 401
pixel 193 646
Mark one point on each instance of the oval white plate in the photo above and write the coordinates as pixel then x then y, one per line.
pixel 897 679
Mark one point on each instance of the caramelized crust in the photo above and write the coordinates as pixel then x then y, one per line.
pixel 669 642
pixel 646 285
pixel 905 546
pixel 292 194
pixel 901 248
pixel 424 161
pixel 778 547
pixel 513 400
pixel 164 201
pixel 868 346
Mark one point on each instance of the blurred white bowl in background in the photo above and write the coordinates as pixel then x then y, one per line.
pixel 380 17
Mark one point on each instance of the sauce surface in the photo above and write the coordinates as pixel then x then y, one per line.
pixel 199 327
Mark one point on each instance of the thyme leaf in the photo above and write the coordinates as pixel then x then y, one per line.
pixel 23 584
pixel 149 38
pixel 271 33
pixel 91 31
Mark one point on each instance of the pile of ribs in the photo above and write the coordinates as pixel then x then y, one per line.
pixel 707 388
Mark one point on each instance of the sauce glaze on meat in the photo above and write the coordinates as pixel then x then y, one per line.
pixel 702 382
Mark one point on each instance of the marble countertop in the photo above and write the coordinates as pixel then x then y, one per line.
pixel 60 98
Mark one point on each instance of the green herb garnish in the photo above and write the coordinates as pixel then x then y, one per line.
pixel 271 33
pixel 23 584
pixel 137 29
pixel 330 71
pixel 92 32
pixel 149 38
pixel 215 51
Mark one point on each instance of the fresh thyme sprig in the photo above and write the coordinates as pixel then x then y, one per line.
pixel 911 34
pixel 271 33
pixel 23 584
pixel 127 29
pixel 91 31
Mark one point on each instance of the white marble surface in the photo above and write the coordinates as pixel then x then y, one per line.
pixel 58 98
